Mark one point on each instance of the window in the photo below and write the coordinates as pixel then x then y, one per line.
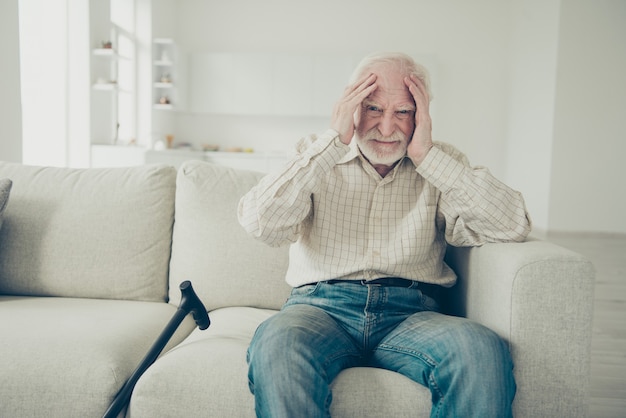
pixel 71 96
pixel 123 34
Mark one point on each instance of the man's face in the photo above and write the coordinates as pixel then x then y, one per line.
pixel 386 120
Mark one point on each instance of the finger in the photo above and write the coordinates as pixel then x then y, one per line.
pixel 348 105
pixel 366 79
pixel 420 96
pixel 360 95
pixel 419 93
pixel 420 85
pixel 361 85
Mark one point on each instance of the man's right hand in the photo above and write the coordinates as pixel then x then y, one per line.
pixel 343 115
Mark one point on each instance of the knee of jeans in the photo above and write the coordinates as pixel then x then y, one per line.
pixel 263 342
pixel 478 341
pixel 262 356
pixel 278 349
pixel 276 339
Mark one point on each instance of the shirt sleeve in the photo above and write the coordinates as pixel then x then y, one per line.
pixel 475 207
pixel 274 210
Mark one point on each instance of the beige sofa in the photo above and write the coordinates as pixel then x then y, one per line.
pixel 90 258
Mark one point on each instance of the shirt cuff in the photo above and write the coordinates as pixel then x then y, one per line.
pixel 327 149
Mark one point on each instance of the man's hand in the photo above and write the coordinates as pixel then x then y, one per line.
pixel 422 140
pixel 343 115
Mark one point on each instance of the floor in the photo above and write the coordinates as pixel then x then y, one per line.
pixel 608 355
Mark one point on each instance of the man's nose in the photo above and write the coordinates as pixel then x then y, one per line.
pixel 387 124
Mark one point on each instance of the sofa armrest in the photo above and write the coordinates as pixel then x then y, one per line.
pixel 539 297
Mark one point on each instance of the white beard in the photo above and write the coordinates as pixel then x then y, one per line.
pixel 378 154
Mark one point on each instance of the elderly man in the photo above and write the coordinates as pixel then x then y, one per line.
pixel 369 207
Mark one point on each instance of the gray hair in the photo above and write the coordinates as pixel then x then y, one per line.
pixel 403 62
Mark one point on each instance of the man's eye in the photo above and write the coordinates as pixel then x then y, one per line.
pixel 373 111
pixel 404 114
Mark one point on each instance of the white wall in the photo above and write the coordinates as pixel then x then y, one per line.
pixel 469 41
pixel 11 103
pixel 508 89
pixel 533 60
pixel 44 72
pixel 532 89
pixel 589 146
pixel 79 85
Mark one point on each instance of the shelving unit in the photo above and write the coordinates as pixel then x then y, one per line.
pixel 104 99
pixel 105 69
pixel 164 89
pixel 105 52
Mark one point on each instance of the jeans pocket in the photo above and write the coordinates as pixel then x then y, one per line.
pixel 429 304
pixel 301 294
pixel 305 290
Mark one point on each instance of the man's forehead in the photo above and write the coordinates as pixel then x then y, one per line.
pixel 391 87
pixel 391 95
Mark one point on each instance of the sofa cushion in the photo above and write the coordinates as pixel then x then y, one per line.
pixel 226 266
pixel 63 357
pixel 99 233
pixel 211 363
pixel 207 375
pixel 5 189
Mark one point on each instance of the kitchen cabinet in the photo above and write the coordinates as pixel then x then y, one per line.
pixel 272 84
pixel 331 74
pixel 267 84
pixel 257 161
pixel 225 83
pixel 263 162
pixel 292 85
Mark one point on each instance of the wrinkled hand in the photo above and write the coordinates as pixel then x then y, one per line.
pixel 342 119
pixel 422 140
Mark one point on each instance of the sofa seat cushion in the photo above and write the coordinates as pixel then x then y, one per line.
pixel 62 357
pixel 207 375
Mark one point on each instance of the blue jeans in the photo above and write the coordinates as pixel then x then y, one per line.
pixel 325 328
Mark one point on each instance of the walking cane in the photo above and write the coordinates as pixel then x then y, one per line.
pixel 189 302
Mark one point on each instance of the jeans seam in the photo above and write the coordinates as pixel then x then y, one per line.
pixel 425 358
pixel 337 356
pixel 422 357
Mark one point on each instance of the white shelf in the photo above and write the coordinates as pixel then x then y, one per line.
pixel 164 106
pixel 105 86
pixel 160 85
pixel 105 52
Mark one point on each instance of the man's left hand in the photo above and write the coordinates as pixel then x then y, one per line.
pixel 422 141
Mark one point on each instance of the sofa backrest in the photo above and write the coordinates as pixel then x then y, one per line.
pixel 226 266
pixel 94 233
